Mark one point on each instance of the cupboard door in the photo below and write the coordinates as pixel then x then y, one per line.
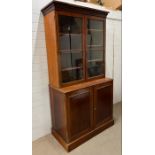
pixel 95 47
pixel 103 103
pixel 71 48
pixel 80 113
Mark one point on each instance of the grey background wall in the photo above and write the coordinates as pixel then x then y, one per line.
pixel 41 121
pixel 114 52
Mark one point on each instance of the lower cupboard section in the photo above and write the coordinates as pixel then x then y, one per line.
pixel 79 114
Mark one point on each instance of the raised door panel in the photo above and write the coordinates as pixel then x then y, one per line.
pixel 80 112
pixel 103 103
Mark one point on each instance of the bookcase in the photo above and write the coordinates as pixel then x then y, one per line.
pixel 81 96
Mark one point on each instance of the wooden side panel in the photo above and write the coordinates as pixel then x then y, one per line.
pixel 80 112
pixel 103 103
pixel 52 107
pixel 51 45
pixel 59 114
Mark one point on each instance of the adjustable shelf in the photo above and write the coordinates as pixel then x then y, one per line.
pixel 71 51
pixel 70 68
pixel 95 45
pixel 96 60
pixel 98 30
pixel 72 34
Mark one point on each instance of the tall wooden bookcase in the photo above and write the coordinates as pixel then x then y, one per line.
pixel 81 96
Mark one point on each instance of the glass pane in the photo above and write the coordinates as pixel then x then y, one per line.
pixel 95 55
pixel 72 75
pixel 70 24
pixel 70 48
pixel 94 38
pixel 95 48
pixel 94 33
pixel 70 60
pixel 95 68
pixel 69 41
pixel 95 24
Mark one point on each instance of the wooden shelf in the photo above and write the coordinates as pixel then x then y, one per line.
pixel 95 60
pixel 71 51
pixel 70 68
pixel 72 34
pixel 95 45
pixel 94 50
pixel 98 30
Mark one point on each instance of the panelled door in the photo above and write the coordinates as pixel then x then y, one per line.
pixel 103 103
pixel 80 112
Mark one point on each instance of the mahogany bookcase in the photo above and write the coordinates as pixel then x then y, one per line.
pixel 81 96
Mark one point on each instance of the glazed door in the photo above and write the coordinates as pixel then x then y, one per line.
pixel 103 103
pixel 95 47
pixel 70 35
pixel 80 112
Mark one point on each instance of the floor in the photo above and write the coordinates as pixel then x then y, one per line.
pixel 107 142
